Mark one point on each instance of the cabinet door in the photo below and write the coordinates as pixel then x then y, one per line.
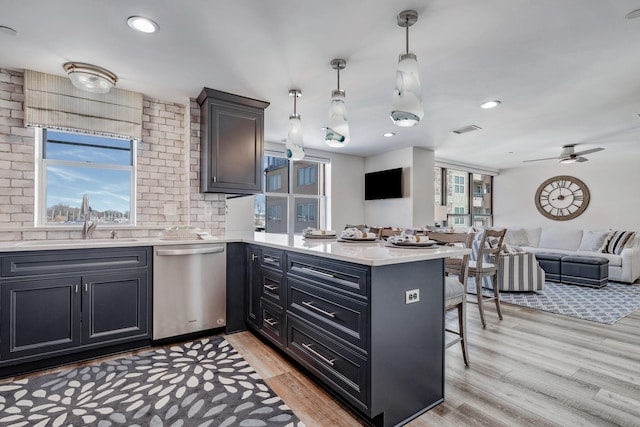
pixel 232 144
pixel 39 316
pixel 254 287
pixel 114 306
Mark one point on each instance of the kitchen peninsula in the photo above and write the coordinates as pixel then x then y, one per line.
pixel 363 319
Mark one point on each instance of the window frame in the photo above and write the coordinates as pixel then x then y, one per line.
pixel 468 218
pixel 319 179
pixel 40 178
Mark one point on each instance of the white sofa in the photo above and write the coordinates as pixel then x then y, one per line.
pixel 623 267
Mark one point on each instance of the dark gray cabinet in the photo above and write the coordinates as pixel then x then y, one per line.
pixel 55 303
pixel 231 142
pixel 349 326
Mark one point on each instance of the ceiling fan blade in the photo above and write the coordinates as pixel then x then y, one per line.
pixel 592 150
pixel 538 160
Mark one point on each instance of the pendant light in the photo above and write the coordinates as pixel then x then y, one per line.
pixel 337 133
pixel 406 107
pixel 294 148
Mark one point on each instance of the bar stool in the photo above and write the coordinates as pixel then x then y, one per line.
pixel 455 288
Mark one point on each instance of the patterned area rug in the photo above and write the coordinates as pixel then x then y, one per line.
pixel 199 383
pixel 604 305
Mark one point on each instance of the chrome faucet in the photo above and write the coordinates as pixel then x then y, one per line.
pixel 89 226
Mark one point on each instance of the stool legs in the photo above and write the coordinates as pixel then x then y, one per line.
pixel 462 324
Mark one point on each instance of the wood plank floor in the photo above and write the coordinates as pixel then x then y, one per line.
pixel 530 369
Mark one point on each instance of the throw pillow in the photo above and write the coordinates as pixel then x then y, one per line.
pixel 592 241
pixel 508 249
pixel 617 241
pixel 517 237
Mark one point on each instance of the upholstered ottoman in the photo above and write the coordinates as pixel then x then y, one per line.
pixel 551 264
pixel 586 271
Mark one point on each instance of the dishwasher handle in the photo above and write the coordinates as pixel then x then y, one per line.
pixel 196 251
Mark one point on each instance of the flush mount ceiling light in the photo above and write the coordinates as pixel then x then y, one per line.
pixel 337 131
pixel 489 104
pixel 406 106
pixel 634 14
pixel 8 31
pixel 142 24
pixel 294 147
pixel 90 78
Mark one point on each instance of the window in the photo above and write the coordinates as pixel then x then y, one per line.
pixel 291 208
pixel 75 164
pixel 274 182
pixel 453 189
pixel 459 184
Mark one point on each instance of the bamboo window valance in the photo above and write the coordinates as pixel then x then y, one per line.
pixel 52 101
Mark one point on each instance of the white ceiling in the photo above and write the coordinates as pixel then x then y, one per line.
pixel 566 71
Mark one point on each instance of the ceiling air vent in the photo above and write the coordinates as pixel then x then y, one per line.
pixel 466 129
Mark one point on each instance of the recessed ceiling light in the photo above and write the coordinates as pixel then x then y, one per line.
pixel 388 134
pixel 633 15
pixel 8 31
pixel 142 24
pixel 490 104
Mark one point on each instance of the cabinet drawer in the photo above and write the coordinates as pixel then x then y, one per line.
pixel 337 367
pixel 273 258
pixel 272 322
pixel 72 260
pixel 342 316
pixel 272 286
pixel 343 276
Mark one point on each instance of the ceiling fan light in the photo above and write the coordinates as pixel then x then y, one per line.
pixel 568 160
pixel 90 78
pixel 489 104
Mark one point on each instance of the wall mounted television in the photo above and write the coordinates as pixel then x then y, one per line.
pixel 386 184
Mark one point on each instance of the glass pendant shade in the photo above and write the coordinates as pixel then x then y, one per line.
pixel 337 133
pixel 406 106
pixel 293 147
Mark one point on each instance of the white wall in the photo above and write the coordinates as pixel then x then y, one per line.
pixel 415 208
pixel 612 185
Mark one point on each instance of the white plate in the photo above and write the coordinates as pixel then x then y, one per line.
pixel 415 244
pixel 319 236
pixel 362 239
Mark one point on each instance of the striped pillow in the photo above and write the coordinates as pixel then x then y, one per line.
pixel 617 241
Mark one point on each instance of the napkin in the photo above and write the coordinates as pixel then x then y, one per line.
pixel 314 232
pixel 407 238
pixel 354 233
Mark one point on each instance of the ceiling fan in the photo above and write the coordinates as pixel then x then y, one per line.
pixel 569 155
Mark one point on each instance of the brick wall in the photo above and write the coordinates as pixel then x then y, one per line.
pixel 168 166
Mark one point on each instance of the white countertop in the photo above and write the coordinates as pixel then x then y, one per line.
pixel 366 253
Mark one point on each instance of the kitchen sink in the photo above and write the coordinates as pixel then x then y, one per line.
pixel 79 243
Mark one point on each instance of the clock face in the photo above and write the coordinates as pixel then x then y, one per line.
pixel 562 197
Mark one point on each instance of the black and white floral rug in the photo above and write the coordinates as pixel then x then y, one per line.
pixel 199 383
pixel 605 305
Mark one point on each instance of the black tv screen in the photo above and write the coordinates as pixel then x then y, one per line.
pixel 386 184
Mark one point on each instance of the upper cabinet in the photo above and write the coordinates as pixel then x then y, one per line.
pixel 232 142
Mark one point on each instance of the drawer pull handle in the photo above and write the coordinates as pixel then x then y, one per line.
pixel 318 355
pixel 319 310
pixel 271 322
pixel 271 288
pixel 271 259
pixel 322 273
pixel 77 288
pixel 254 257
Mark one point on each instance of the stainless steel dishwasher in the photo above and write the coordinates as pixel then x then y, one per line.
pixel 189 289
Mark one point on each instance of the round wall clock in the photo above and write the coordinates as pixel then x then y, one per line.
pixel 562 197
